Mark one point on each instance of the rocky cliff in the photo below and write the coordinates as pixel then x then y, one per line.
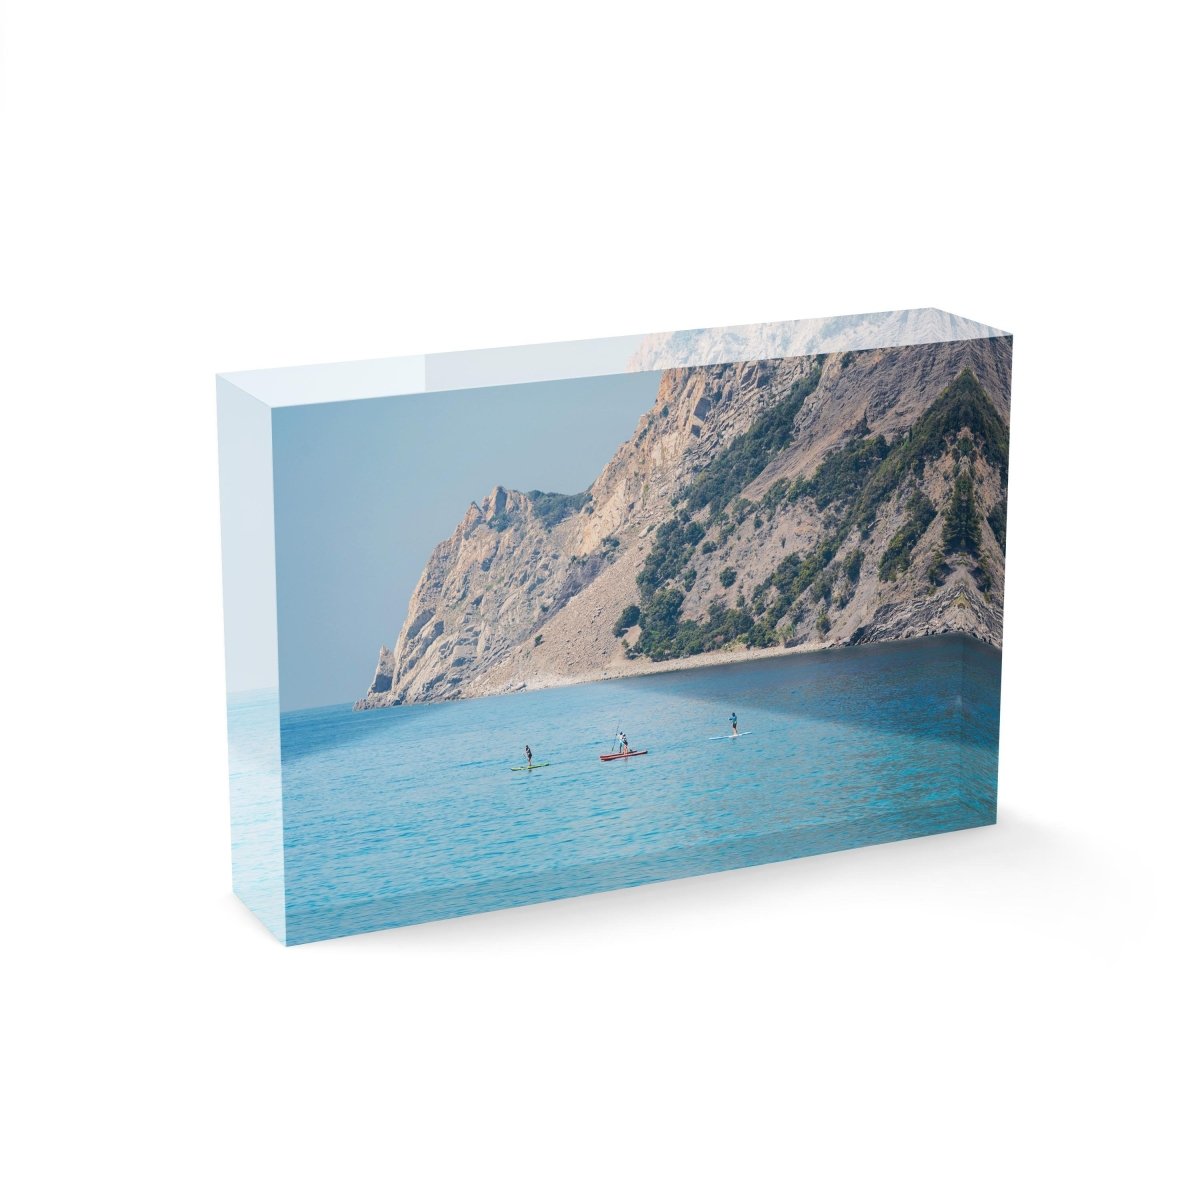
pixel 795 502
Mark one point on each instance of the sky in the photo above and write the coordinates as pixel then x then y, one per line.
pixel 365 489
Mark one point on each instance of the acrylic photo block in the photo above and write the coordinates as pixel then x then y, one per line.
pixel 514 625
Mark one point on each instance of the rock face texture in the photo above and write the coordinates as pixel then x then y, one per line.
pixel 798 502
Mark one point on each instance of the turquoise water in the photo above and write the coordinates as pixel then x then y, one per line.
pixel 411 814
pixel 256 806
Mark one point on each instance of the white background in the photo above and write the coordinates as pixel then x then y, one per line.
pixel 187 189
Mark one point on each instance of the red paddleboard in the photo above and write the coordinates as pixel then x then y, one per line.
pixel 629 754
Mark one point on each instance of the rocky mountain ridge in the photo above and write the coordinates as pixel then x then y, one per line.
pixel 796 502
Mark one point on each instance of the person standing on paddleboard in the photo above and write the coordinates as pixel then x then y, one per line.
pixel 528 755
pixel 733 722
pixel 624 743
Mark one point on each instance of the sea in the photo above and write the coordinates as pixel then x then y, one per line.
pixel 401 815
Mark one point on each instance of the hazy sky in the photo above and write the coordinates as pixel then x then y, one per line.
pixel 365 489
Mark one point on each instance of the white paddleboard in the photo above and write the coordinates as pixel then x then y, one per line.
pixel 732 737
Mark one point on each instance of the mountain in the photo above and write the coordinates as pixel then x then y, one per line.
pixel 799 502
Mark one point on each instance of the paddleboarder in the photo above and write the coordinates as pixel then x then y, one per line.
pixel 624 743
pixel 528 756
pixel 733 722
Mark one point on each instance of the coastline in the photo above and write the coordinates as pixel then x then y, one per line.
pixel 631 668
pixel 521 596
